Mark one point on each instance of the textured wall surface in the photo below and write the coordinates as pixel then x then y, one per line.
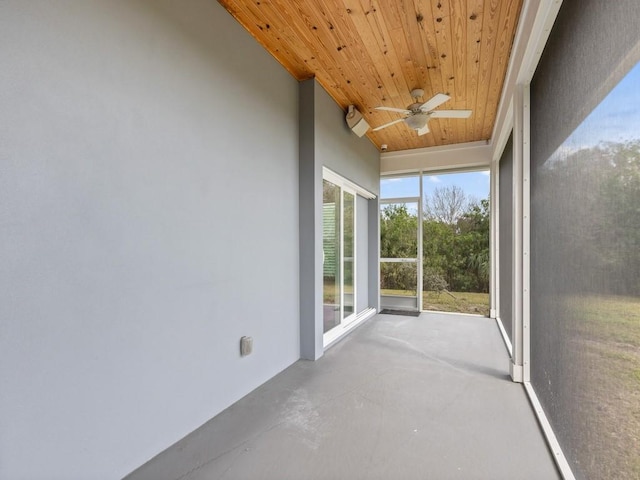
pixel 339 149
pixel 148 220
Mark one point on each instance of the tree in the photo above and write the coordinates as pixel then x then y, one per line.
pixel 459 251
pixel 455 244
pixel 446 205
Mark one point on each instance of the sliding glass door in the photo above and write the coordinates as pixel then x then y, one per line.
pixel 338 257
pixel 348 257
pixel 331 255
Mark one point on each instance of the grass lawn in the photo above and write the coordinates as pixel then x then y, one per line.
pixel 605 333
pixel 460 302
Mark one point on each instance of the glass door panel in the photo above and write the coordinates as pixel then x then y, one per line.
pixel 348 258
pixel 338 257
pixel 331 255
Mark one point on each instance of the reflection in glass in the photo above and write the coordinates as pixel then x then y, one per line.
pixel 331 255
pixel 348 233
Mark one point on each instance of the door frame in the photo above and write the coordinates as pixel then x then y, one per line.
pixel 346 186
pixel 417 260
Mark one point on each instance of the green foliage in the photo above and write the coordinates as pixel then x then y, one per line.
pixel 459 250
pixel 398 239
pixel 455 247
pixel 398 276
pixel 398 229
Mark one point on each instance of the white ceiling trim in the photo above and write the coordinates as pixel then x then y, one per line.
pixel 449 157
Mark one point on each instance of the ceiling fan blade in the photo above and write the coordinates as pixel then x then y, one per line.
pixel 391 109
pixel 451 114
pixel 424 130
pixel 437 100
pixel 388 124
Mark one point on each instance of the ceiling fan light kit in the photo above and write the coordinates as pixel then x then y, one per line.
pixel 417 115
pixel 356 122
pixel 417 121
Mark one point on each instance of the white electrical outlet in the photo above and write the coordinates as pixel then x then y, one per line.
pixel 246 346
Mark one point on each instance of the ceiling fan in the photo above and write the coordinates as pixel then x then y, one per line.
pixel 417 115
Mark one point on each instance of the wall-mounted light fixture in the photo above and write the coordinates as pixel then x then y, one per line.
pixel 356 122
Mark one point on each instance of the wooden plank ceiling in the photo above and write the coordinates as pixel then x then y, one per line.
pixel 374 52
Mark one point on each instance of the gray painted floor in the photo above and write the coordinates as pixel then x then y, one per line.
pixel 400 398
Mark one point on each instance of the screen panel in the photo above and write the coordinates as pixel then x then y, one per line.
pixel 506 235
pixel 455 241
pixel 585 245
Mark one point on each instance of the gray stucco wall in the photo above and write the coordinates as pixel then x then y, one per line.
pixel 148 220
pixel 358 160
pixel 339 149
pixel 325 140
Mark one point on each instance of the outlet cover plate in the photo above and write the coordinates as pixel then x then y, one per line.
pixel 246 346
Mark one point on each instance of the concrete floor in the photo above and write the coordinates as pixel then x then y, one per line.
pixel 400 398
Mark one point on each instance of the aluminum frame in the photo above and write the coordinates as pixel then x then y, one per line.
pixel 351 321
pixel 418 259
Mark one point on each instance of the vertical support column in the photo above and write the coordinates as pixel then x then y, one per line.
pixel 526 233
pixel 419 260
pixel 310 197
pixel 494 239
pixel 517 245
pixel 374 253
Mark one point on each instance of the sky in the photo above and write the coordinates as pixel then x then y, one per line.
pixel 474 184
pixel 615 119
